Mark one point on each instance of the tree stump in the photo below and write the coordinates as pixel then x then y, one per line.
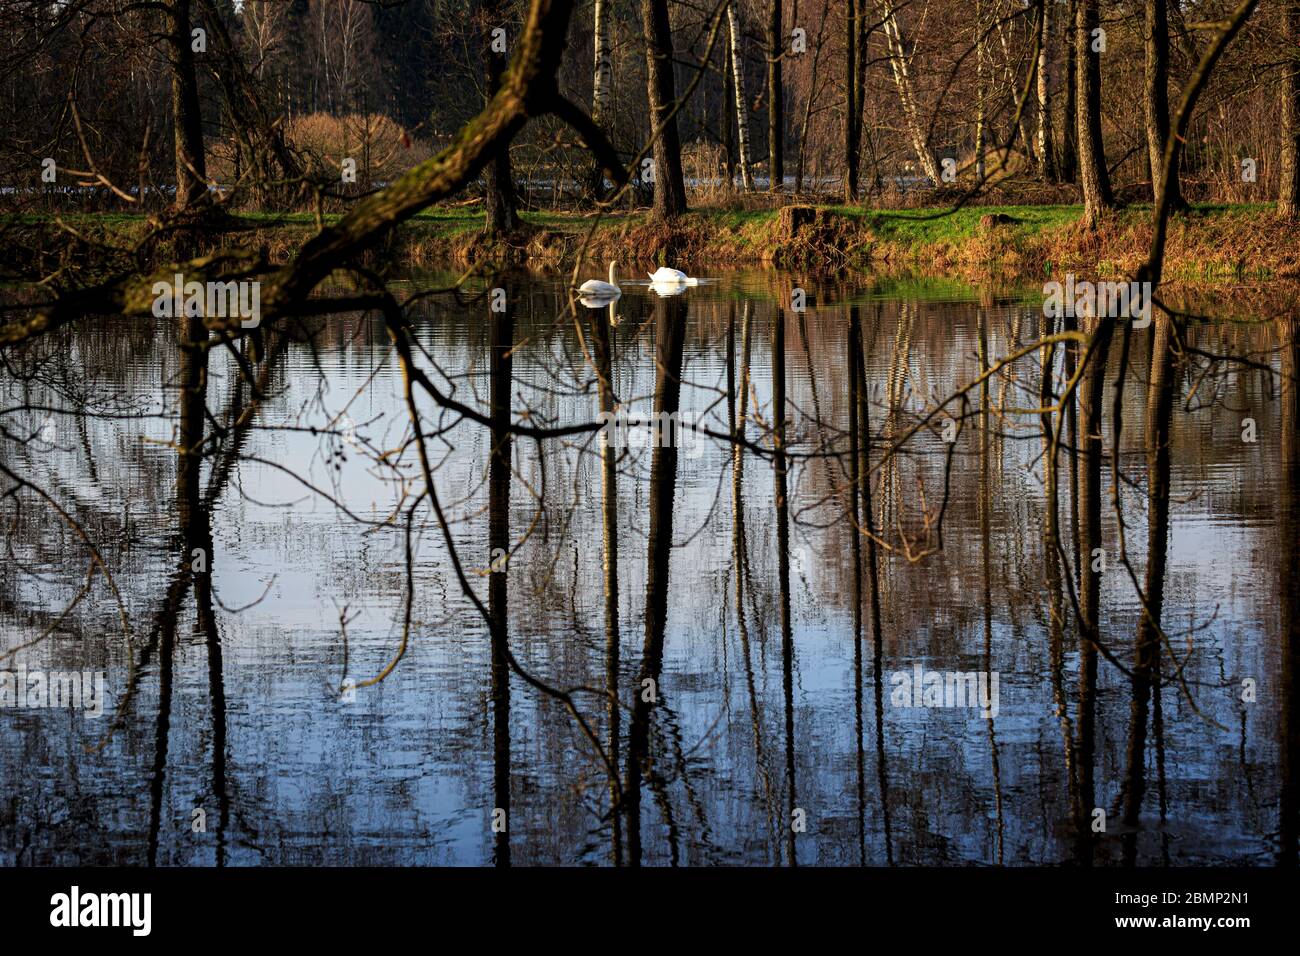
pixel 794 218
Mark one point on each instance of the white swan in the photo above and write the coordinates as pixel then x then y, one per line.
pixel 666 276
pixel 598 289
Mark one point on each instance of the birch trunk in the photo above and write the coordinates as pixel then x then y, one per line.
pixel 601 76
pixel 903 81
pixel 738 78
pixel 1046 140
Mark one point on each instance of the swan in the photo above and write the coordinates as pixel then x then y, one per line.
pixel 665 276
pixel 597 289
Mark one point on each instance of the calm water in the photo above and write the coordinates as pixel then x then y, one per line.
pixel 775 735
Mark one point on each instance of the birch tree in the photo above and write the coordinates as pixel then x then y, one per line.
pixel 738 79
pixel 898 62
pixel 1046 139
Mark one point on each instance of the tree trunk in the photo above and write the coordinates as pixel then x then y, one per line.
pixel 852 104
pixel 670 326
pixel 191 168
pixel 501 378
pixel 603 327
pixel 1013 95
pixel 981 55
pixel 775 99
pixel 1157 99
pixel 601 81
pixel 499 205
pixel 1097 195
pixel 268 154
pixel 1046 139
pixel 1288 194
pixel 669 188
pixel 1160 393
pixel 738 84
pixel 903 81
pixel 1288 568
pixel 1069 159
pixel 1091 395
pixel 726 122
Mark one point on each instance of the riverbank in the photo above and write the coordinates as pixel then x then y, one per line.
pixel 1208 245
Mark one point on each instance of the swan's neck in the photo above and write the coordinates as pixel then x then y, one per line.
pixel 612 280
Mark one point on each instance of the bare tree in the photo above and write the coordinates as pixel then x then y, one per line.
pixel 898 62
pixel 1288 193
pixel 191 162
pixel 1093 175
pixel 738 82
pixel 661 91
pixel 775 98
pixel 501 214
pixel 1046 138
pixel 1157 97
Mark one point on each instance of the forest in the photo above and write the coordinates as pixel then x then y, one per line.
pixel 308 106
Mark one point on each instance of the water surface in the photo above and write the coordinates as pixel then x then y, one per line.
pixel 773 737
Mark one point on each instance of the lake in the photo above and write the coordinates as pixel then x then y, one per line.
pixel 708 593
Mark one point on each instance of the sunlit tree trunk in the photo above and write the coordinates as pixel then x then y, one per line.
pixel 1288 195
pixel 602 77
pixel 1097 195
pixel 1046 138
pixel 738 85
pixel 981 78
pixel 1157 98
pixel 903 82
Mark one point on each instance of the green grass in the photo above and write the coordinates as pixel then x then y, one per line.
pixel 749 233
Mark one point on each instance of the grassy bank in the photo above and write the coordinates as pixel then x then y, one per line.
pixel 1211 245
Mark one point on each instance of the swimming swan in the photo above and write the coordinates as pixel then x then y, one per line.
pixel 594 287
pixel 665 276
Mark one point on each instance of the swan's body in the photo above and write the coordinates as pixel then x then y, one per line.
pixel 597 289
pixel 666 276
